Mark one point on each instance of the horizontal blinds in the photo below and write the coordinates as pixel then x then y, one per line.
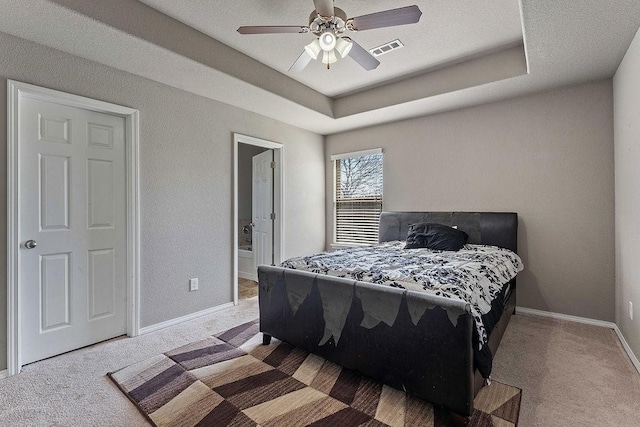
pixel 358 200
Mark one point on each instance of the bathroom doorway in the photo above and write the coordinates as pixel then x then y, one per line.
pixel 257 211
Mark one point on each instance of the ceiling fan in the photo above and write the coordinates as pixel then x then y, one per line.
pixel 329 23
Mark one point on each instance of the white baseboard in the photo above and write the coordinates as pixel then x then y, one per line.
pixel 540 313
pixel 610 325
pixel 626 347
pixel 181 319
pixel 4 374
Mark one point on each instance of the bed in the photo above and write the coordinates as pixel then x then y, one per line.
pixel 413 341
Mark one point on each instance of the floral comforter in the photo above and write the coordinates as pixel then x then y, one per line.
pixel 476 274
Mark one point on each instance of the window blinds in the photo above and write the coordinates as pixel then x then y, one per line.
pixel 358 197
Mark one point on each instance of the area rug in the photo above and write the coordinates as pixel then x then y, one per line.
pixel 231 379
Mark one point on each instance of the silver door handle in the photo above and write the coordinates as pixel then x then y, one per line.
pixel 30 244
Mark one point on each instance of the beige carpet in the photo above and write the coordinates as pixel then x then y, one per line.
pixel 570 374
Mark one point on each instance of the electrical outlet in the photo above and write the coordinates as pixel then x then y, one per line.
pixel 193 284
pixel 630 310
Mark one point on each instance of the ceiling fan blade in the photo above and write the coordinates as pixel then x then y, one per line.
pixel 324 7
pixel 387 18
pixel 273 29
pixel 362 56
pixel 302 61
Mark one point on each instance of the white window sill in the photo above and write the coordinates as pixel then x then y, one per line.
pixel 335 246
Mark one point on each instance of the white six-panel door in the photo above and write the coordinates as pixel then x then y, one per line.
pixel 72 206
pixel 262 208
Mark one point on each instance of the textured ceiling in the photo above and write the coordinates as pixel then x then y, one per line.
pixel 567 42
pixel 448 30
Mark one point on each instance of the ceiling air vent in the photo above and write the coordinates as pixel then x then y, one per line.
pixel 386 48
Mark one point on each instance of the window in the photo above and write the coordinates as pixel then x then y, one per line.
pixel 358 196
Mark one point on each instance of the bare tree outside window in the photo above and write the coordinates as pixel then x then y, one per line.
pixel 358 198
pixel 360 176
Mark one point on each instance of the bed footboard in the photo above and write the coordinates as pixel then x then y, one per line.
pixel 385 333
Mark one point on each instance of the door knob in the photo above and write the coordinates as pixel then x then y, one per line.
pixel 30 244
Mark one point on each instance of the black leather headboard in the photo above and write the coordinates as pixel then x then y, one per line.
pixel 485 228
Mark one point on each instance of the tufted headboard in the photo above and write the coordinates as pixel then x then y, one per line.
pixel 486 228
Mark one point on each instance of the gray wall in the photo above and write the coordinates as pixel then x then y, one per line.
pixel 548 157
pixel 245 170
pixel 186 161
pixel 626 94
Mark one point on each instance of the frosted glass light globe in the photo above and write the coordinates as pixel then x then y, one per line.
pixel 329 57
pixel 327 41
pixel 313 49
pixel 343 47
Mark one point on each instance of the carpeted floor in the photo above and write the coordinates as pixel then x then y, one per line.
pixel 247 288
pixel 232 379
pixel 74 390
pixel 571 375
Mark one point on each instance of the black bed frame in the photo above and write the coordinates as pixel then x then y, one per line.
pixel 425 348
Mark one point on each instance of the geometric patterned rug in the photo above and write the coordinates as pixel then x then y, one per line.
pixel 231 379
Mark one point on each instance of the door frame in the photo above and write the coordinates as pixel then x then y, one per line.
pixel 278 200
pixel 15 92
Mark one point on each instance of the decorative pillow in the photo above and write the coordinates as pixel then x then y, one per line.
pixel 435 236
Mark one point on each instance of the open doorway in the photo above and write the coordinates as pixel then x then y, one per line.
pixel 257 211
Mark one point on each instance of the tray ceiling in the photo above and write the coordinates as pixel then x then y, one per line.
pixel 448 31
pixel 461 54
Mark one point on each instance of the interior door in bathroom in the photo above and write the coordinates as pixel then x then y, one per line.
pixel 262 208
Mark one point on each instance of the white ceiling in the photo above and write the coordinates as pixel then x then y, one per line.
pixel 567 42
pixel 448 30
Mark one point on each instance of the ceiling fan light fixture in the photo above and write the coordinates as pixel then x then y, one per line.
pixel 343 47
pixel 313 49
pixel 329 57
pixel 329 23
pixel 327 41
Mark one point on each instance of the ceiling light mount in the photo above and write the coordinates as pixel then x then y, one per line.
pixel 318 24
pixel 328 30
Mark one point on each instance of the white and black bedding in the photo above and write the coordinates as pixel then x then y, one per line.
pixel 477 274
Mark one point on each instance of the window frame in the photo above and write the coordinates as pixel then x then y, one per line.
pixel 335 244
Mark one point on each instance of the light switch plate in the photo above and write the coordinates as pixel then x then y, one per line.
pixel 193 284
